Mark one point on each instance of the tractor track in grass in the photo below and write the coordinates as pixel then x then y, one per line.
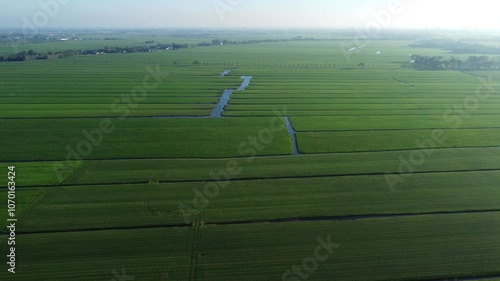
pixel 195 252
pixel 473 74
pixel 403 82
pixel 152 209
pixel 197 223
pixel 206 181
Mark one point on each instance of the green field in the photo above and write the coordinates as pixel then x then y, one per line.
pixel 356 141
pixel 76 139
pixel 379 249
pixel 399 167
pixel 149 205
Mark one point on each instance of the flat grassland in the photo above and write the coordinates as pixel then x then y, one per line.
pixel 399 169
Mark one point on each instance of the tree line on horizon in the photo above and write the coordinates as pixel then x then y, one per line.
pixel 455 63
pixel 33 55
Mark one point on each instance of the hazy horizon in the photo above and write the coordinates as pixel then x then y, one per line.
pixel 258 14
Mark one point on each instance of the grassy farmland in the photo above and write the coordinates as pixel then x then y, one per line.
pixel 398 167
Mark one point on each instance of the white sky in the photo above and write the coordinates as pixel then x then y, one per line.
pixel 446 14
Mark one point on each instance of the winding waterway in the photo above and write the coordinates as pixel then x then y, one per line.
pixel 224 101
pixel 226 97
pixel 225 73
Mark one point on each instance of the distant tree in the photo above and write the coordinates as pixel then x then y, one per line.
pixel 438 63
pixel 362 64
pixel 41 57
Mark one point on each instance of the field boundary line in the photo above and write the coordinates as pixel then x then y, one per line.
pixel 277 221
pixel 464 278
pixel 47 194
pixel 85 161
pixel 258 179
pixel 376 130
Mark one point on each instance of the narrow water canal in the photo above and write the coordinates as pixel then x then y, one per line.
pixel 293 135
pixel 226 97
